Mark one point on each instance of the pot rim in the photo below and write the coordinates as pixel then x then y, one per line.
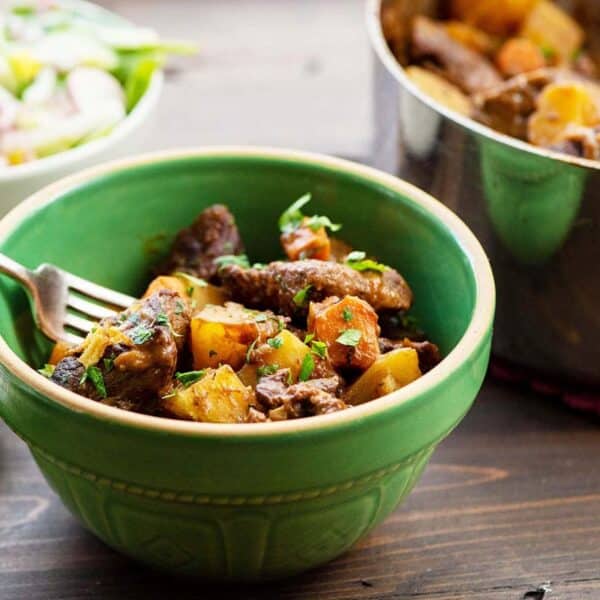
pixel 474 337
pixel 385 55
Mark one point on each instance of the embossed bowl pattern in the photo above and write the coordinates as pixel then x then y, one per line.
pixel 239 502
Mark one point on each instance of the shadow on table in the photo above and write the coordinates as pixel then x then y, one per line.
pixel 123 579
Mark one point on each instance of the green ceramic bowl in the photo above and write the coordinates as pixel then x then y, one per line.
pixel 239 502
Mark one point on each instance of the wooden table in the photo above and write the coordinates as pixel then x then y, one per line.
pixel 510 501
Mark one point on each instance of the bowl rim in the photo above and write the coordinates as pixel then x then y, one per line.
pixel 475 334
pixel 385 55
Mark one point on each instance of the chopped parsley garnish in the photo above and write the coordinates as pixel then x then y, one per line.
pixel 250 349
pixel 548 52
pixel 141 335
pixel 94 375
pixel 347 314
pixel 267 369
pixel 307 367
pixel 179 307
pixel 292 218
pixel 317 222
pixel 275 342
pixel 162 319
pixel 47 371
pixel 358 261
pixel 350 337
pixel 108 364
pixel 319 348
pixel 300 298
pixel 316 347
pixel 241 260
pixel 259 266
pixel 190 291
pixel 280 324
pixel 189 377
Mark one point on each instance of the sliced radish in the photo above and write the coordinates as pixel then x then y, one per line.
pixel 90 88
pixel 66 50
pixel 62 134
pixel 42 89
pixel 9 109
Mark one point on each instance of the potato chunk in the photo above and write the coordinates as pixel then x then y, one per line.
pixel 195 291
pixel 222 335
pixel 218 397
pixel 387 374
pixel 561 105
pixel 165 282
pixel 350 329
pixel 470 36
pixel 283 351
pixel 552 29
pixel 500 17
pixel 201 293
pixel 440 89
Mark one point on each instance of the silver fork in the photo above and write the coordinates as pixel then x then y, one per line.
pixel 64 305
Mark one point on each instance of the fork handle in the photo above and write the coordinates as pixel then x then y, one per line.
pixel 15 270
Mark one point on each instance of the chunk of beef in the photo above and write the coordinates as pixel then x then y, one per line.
pixel 429 354
pixel 133 354
pixel 68 373
pixel 305 399
pixel 398 325
pixel 276 286
pixel 396 20
pixel 508 106
pixel 213 234
pixel 465 67
pixel 583 142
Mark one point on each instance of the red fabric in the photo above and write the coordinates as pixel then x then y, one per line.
pixel 582 400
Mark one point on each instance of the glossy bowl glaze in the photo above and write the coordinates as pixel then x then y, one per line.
pixel 255 501
pixel 128 137
pixel 536 212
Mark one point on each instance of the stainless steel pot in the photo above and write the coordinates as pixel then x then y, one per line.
pixel 536 212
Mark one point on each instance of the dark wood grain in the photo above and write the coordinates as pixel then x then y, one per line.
pixel 510 501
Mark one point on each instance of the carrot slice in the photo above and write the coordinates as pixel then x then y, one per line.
pixel 350 329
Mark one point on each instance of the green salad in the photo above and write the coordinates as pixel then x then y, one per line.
pixel 69 73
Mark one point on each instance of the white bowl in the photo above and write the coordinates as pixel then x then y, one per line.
pixel 20 181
